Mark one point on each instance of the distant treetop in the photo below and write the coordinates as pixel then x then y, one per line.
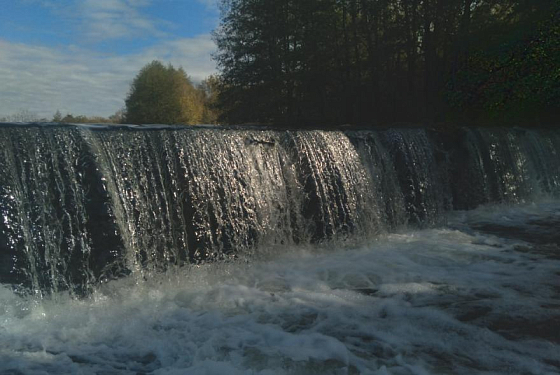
pixel 163 95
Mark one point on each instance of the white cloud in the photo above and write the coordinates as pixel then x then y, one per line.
pixel 100 20
pixel 79 81
pixel 117 19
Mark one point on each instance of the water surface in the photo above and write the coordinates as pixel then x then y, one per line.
pixel 480 295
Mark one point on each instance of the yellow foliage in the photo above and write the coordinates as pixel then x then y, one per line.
pixel 163 95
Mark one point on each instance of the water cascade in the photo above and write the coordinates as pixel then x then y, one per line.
pixel 81 205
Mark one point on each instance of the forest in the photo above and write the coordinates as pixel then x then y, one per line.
pixel 368 62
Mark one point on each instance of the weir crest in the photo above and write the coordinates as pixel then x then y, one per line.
pixel 83 204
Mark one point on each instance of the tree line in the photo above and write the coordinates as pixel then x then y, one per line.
pixel 363 62
pixel 322 62
pixel 366 62
pixel 25 115
pixel 159 94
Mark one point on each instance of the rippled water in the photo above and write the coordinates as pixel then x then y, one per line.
pixel 480 295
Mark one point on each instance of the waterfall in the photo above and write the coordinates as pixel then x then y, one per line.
pixel 81 205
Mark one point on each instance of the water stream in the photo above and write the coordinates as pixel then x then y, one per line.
pixel 207 250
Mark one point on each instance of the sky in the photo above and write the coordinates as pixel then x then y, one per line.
pixel 80 56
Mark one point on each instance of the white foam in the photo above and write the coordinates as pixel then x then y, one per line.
pixel 447 300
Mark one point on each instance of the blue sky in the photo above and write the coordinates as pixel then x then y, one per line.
pixel 79 56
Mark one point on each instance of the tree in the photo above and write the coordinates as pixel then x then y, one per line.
pixel 209 90
pixel 81 119
pixel 57 116
pixel 23 115
pixel 267 76
pixel 118 117
pixel 163 95
pixel 514 74
pixel 321 62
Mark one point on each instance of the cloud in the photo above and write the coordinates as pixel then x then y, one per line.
pixel 80 81
pixel 117 19
pixel 100 20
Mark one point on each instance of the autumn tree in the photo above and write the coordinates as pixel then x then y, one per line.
pixel 208 90
pixel 163 95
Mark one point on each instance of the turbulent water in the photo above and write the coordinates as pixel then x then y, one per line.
pixel 238 250
pixel 478 296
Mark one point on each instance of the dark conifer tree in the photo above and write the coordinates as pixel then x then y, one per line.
pixel 322 62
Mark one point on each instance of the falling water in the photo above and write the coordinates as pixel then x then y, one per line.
pixel 85 204
pixel 209 250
